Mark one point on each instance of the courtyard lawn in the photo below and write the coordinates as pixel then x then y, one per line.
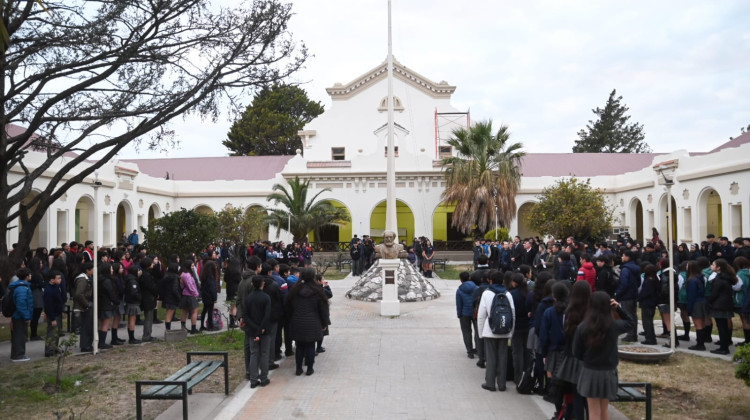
pixel 452 271
pixel 687 387
pixel 104 385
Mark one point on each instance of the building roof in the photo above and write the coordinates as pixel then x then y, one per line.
pixel 227 168
pixel 735 142
pixel 584 164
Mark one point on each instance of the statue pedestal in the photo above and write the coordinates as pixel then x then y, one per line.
pixel 390 305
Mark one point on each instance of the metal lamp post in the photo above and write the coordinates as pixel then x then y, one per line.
pixel 666 177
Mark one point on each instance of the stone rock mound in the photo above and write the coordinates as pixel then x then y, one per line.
pixel 412 285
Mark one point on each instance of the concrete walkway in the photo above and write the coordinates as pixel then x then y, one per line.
pixel 410 367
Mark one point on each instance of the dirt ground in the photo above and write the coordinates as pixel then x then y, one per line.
pixel 103 386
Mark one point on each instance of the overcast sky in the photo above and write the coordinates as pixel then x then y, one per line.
pixel 682 67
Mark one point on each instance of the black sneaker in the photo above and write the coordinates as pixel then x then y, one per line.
pixel 273 366
pixel 134 341
pixel 481 364
pixel 104 346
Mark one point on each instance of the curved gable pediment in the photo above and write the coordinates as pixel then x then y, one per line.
pixel 437 90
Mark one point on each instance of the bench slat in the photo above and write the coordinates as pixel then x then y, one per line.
pixel 200 376
pixel 184 374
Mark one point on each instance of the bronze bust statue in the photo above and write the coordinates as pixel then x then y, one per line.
pixel 389 249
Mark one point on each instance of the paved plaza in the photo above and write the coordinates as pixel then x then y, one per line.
pixel 410 367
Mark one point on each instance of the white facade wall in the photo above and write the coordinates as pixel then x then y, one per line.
pixel 359 182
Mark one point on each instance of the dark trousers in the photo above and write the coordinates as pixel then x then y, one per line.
pixel 53 338
pixel 84 327
pixel 208 308
pixel 306 352
pixel 479 342
pixel 497 361
pixel 288 338
pixel 35 321
pixel 648 323
pixel 521 355
pixel 18 338
pixel 257 353
pixel 273 330
pixel 466 323
pixel 725 335
pixel 629 306
pixel 148 323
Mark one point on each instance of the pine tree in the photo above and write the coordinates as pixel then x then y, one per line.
pixel 269 125
pixel 611 133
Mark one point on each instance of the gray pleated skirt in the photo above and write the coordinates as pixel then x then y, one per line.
pixel 598 383
pixel 570 369
pixel 554 360
pixel 132 309
pixel 699 310
pixel 188 303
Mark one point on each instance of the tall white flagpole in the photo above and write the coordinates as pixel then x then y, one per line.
pixel 391 222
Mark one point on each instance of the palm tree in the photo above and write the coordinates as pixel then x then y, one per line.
pixel 484 176
pixel 300 215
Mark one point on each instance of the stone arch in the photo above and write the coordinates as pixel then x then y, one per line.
pixel 41 231
pixel 85 219
pixel 523 214
pixel 662 218
pixel 709 213
pixel 204 209
pixel 635 219
pixel 124 221
pixel 154 212
pixel 335 233
pixel 404 221
pixel 442 220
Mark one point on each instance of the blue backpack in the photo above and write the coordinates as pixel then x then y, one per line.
pixel 501 314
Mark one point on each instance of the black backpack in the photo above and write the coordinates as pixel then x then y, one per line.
pixel 9 303
pixel 501 314
pixel 528 380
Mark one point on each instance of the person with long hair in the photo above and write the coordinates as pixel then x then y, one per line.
pixel 682 278
pixel 209 294
pixel 308 313
pixel 552 340
pixel 696 303
pixel 169 290
pixel 595 344
pixel 106 303
pixel 570 368
pixel 132 298
pixel 541 300
pixel 189 299
pixel 118 283
pixel 428 254
pixel 721 303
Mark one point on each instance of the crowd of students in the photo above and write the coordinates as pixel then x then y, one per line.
pixel 563 296
pixel 130 284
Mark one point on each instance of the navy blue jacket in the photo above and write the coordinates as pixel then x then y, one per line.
pixel 696 292
pixel 54 302
pixel 544 304
pixel 630 279
pixel 551 332
pixel 465 299
pixel 647 295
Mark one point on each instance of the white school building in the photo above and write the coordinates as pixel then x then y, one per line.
pixel 344 150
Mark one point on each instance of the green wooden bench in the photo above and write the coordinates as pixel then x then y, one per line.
pixel 346 265
pixel 181 384
pixel 439 263
pixel 635 392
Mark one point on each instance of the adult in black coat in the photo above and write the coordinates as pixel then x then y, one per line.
pixel 209 293
pixel 307 309
pixel 256 314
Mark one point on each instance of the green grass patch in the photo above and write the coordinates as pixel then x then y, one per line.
pixel 227 340
pixel 452 271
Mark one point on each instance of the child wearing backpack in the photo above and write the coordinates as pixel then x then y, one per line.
pixel 495 318
pixel 20 299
